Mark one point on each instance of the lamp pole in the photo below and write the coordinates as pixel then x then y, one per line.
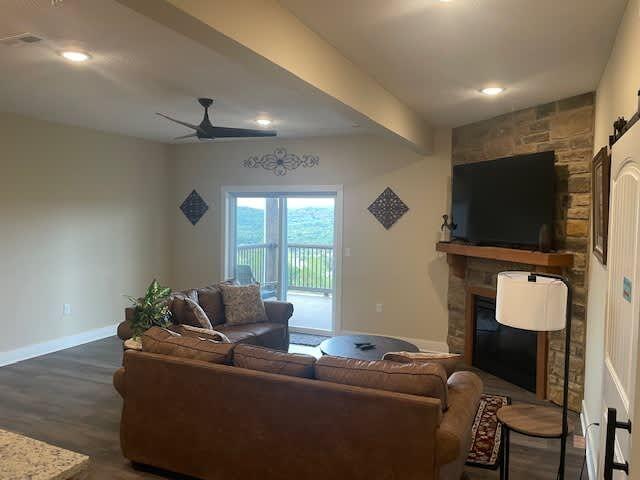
pixel 567 352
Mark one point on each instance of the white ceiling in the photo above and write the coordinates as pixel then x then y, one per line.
pixel 432 55
pixel 138 68
pixel 436 56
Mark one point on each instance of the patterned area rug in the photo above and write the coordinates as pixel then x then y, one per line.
pixel 306 339
pixel 486 434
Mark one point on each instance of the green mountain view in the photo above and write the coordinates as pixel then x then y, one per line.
pixel 305 225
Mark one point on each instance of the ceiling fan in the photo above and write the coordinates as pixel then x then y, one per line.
pixel 206 131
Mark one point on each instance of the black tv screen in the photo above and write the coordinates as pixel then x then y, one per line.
pixel 504 201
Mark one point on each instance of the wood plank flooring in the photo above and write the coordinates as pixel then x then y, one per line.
pixel 67 399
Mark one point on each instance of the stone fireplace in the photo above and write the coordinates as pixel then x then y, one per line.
pixel 565 127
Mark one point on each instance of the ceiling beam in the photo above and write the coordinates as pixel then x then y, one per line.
pixel 270 40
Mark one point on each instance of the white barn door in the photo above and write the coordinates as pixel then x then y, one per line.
pixel 622 317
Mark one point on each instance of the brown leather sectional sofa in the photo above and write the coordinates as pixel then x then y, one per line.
pixel 220 420
pixel 272 334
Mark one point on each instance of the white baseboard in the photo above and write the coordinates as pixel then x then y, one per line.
pixel 38 349
pixel 423 345
pixel 590 439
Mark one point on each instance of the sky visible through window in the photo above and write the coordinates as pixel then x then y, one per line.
pixel 292 203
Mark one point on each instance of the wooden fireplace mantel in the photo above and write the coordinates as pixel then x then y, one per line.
pixel 457 254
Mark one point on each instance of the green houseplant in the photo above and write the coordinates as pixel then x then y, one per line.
pixel 150 310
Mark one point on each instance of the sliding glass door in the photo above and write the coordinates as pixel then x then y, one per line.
pixel 286 242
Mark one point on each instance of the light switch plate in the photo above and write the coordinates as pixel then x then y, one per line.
pixel 66 309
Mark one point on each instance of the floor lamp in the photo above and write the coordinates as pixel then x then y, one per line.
pixel 539 302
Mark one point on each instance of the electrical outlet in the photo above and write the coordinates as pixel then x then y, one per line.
pixel 379 307
pixel 347 252
pixel 66 309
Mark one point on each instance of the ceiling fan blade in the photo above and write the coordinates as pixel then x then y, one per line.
pixel 188 125
pixel 227 132
pixel 191 135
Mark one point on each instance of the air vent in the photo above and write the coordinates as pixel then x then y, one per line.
pixel 21 39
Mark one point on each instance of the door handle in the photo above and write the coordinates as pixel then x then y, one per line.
pixel 612 425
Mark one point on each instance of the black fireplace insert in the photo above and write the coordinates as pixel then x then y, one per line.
pixel 506 352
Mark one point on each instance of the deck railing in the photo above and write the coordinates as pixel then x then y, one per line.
pixel 310 266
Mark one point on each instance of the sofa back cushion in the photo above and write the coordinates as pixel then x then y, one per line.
pixel 450 361
pixel 273 361
pixel 243 304
pixel 424 379
pixel 162 341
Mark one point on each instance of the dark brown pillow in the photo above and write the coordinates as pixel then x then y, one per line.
pixel 273 361
pixel 450 361
pixel 193 348
pixel 198 314
pixel 210 299
pixel 424 379
pixel 179 312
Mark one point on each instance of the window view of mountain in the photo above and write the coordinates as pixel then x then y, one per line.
pixel 305 225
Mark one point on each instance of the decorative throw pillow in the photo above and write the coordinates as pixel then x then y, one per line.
pixel 180 314
pixel 197 332
pixel 273 361
pixel 196 312
pixel 243 304
pixel 210 299
pixel 176 345
pixel 424 379
pixel 450 361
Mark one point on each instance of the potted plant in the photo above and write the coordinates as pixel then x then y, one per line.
pixel 151 310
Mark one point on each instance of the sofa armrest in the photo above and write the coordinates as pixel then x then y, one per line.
pixel 118 381
pixel 278 312
pixel 453 436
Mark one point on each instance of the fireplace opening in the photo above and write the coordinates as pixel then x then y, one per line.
pixel 506 352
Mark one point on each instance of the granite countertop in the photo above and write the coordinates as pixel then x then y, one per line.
pixel 23 458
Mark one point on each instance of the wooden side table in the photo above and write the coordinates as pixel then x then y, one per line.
pixel 530 420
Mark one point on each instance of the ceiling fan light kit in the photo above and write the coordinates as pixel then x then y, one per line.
pixel 207 131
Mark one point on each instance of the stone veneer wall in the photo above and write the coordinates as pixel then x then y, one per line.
pixel 566 127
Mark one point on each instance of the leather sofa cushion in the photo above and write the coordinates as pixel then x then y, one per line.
pixel 450 361
pixel 179 311
pixel 424 379
pixel 243 304
pixel 273 361
pixel 210 299
pixel 162 341
pixel 265 334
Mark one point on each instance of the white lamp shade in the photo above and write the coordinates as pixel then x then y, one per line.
pixel 539 306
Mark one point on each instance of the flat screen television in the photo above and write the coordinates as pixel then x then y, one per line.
pixel 505 201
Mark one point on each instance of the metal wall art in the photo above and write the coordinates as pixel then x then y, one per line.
pixel 194 207
pixel 388 208
pixel 280 162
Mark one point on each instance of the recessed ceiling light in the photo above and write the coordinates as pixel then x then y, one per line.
pixel 263 122
pixel 491 91
pixel 75 56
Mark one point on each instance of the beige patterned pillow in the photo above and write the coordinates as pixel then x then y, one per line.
pixel 243 304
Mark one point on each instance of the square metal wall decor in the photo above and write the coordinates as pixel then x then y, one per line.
pixel 388 208
pixel 194 207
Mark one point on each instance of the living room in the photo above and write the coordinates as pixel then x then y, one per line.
pixel 100 198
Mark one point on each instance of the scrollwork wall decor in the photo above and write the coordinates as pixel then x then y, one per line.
pixel 280 161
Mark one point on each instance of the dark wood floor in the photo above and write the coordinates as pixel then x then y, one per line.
pixel 67 399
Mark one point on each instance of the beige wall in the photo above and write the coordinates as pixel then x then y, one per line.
pixel 616 96
pixel 398 268
pixel 83 222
